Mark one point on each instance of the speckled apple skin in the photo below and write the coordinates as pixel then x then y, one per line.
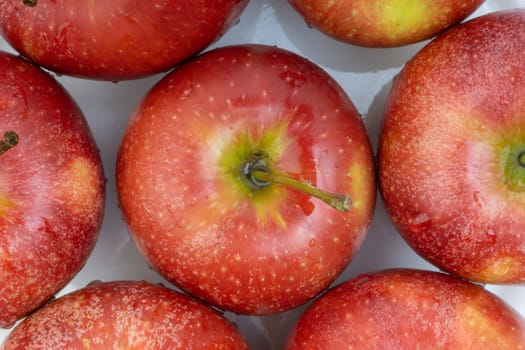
pixel 115 40
pixel 179 178
pixel 402 309
pixel 51 189
pixel 384 23
pixel 451 113
pixel 125 315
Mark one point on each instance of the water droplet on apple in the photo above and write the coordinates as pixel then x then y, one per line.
pixel 420 222
pixel 61 39
pixel 504 101
pixel 491 234
pixel 186 93
pixel 362 279
pixel 477 198
pixel 293 79
pixel 43 39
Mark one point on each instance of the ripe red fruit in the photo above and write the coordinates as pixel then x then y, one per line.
pixel 213 171
pixel 117 39
pixel 451 152
pixel 408 309
pixel 125 315
pixel 51 188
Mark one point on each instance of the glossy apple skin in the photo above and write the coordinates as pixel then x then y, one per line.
pixel 384 23
pixel 400 309
pixel 179 178
pixel 453 111
pixel 125 315
pixel 51 189
pixel 118 39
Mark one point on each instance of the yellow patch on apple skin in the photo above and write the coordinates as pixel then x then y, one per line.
pixel 475 324
pixel 5 205
pixel 4 255
pixel 361 176
pixel 233 152
pixel 401 17
pixel 358 180
pixel 79 187
pixel 501 270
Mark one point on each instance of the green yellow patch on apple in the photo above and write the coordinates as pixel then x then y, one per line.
pixel 384 23
pixel 246 178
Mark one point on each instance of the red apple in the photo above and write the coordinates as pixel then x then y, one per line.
pixel 125 315
pixel 452 145
pixel 403 309
pixel 219 172
pixel 384 23
pixel 117 39
pixel 51 188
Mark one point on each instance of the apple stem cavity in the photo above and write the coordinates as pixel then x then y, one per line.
pixel 259 176
pixel 30 3
pixel 9 140
pixel 514 167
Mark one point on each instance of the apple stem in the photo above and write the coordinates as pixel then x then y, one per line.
pixel 30 3
pixel 259 176
pixel 521 159
pixel 9 140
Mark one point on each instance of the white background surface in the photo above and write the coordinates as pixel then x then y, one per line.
pixel 364 73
